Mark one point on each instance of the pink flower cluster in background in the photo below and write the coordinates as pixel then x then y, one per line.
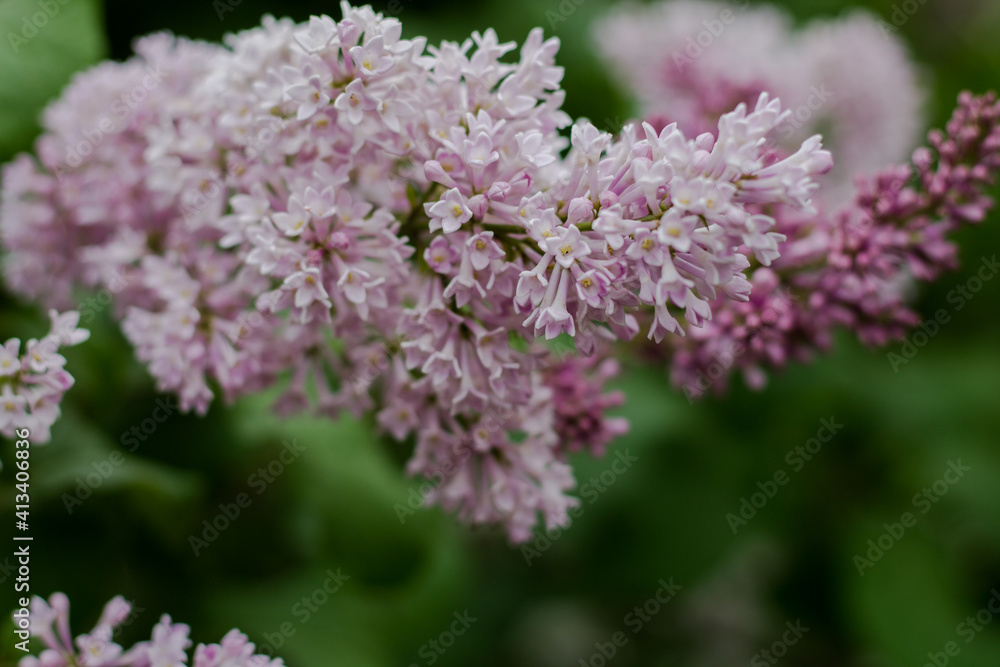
pixel 879 226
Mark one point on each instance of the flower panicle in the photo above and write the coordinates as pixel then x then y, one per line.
pixel 48 620
pixel 418 205
pixel 33 380
pixel 854 268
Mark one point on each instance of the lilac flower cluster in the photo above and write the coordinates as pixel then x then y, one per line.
pixel 32 382
pixel 853 268
pixel 690 61
pixel 576 384
pixel 877 228
pixel 49 621
pixel 287 207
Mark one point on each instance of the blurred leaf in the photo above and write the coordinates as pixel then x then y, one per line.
pixel 82 463
pixel 43 43
pixel 906 604
pixel 405 576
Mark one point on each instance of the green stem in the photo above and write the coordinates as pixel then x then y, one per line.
pixel 502 228
pixel 408 227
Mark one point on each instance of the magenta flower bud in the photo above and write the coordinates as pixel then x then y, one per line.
pixel 499 191
pixel 580 210
pixel 339 240
pixel 349 32
pixel 478 204
pixel 435 172
pixel 314 257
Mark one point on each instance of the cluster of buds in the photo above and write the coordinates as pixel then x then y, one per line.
pixel 878 226
pixel 854 268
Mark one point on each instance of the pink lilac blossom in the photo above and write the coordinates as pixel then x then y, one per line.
pixel 577 384
pixel 688 62
pixel 288 207
pixel 169 644
pixel 853 268
pixel 33 378
pixel 854 261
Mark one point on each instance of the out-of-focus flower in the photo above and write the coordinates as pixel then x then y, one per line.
pixel 49 621
pixel 33 379
pixel 853 268
pixel 689 62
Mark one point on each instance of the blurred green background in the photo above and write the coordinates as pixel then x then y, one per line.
pixel 665 518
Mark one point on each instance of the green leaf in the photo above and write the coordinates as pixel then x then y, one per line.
pixel 405 578
pixel 43 43
pixel 906 602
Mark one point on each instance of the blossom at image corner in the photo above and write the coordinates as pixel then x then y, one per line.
pixel 48 621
